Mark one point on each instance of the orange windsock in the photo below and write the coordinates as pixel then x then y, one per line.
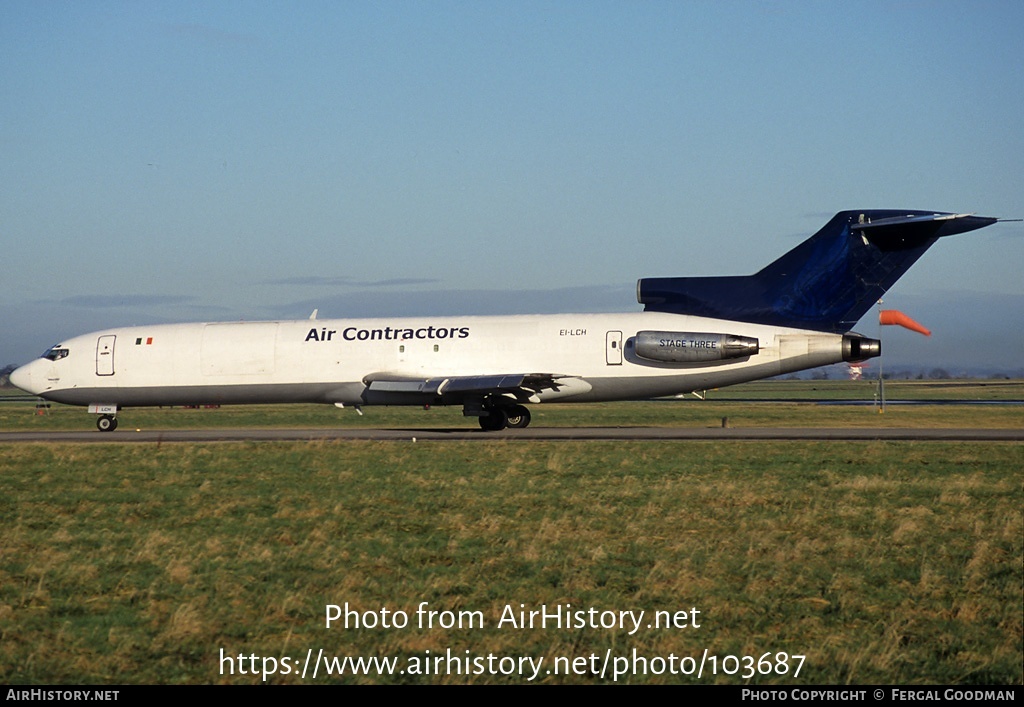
pixel 893 316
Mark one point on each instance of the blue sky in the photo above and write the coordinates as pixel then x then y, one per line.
pixel 217 161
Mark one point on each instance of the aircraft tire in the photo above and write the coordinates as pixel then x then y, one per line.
pixel 495 420
pixel 518 417
pixel 106 423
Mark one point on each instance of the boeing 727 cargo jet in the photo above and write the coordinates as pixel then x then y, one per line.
pixel 695 333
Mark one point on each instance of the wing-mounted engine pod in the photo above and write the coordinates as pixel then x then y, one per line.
pixel 859 348
pixel 692 346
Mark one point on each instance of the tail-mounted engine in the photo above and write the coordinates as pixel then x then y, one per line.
pixel 692 347
pixel 859 348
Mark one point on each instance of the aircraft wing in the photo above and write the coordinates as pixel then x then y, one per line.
pixel 522 386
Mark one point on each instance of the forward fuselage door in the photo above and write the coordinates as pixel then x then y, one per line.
pixel 105 355
pixel 613 348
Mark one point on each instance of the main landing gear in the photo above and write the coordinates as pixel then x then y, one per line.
pixel 498 418
pixel 106 423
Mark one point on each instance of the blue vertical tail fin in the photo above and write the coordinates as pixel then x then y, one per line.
pixel 826 283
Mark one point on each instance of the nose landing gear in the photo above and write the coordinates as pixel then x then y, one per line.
pixel 106 423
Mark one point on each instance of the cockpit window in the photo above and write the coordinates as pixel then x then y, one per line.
pixel 55 353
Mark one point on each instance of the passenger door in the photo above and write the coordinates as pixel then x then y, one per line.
pixel 613 348
pixel 105 355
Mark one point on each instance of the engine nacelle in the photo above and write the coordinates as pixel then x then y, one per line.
pixel 692 347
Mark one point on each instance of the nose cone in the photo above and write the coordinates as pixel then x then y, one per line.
pixel 22 378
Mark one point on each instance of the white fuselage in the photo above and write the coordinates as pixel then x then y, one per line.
pixel 337 360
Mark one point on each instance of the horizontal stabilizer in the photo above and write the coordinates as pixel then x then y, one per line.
pixel 903 229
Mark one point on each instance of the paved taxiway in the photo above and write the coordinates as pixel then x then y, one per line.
pixel 128 436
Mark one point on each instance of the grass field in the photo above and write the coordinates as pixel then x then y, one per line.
pixel 878 562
